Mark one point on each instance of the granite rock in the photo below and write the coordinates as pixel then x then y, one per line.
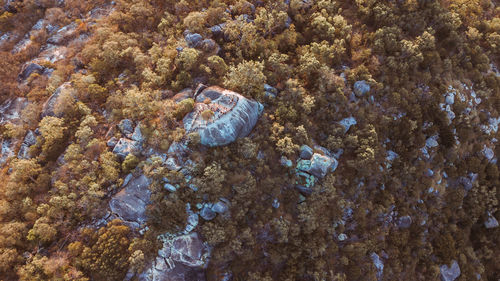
pixel 234 116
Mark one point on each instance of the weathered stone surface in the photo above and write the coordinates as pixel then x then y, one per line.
pixel 306 152
pixel 63 34
pixel 29 69
pixel 361 87
pixel 112 142
pixel 404 222
pixel 126 126
pixel 182 258
pixel 10 110
pixel 207 213
pixel 137 135
pixel 49 105
pixel 125 146
pixel 29 140
pixel 169 187
pixel 379 265
pixel 450 273
pixel 130 203
pixel 193 40
pixel 220 207
pixel 7 151
pixel 234 116
pixel 491 222
pixel 347 123
pixel 319 165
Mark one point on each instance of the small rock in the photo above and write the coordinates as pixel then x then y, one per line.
pixel 124 147
pixel 318 166
pixel 304 190
pixel 276 204
pixel 49 105
pixel 126 126
pixel 404 222
pixel 488 153
pixel 112 142
pixel 137 135
pixel 342 237
pixel 379 265
pixel 220 207
pixel 450 273
pixel 193 40
pixel 347 123
pixel 170 187
pixel 286 162
pixel 361 87
pixel 306 152
pixel 450 99
pixel 171 164
pixel 207 213
pixel 491 222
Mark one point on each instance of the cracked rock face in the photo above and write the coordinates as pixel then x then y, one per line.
pixel 182 258
pixel 130 203
pixel 233 116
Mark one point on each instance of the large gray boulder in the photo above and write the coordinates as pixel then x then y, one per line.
pixel 130 203
pixel 234 116
pixel 450 273
pixel 182 258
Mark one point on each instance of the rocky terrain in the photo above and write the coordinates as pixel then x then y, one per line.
pixel 249 140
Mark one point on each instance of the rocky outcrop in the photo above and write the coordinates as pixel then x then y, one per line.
pixel 227 116
pixel 29 140
pixel 182 258
pixel 10 110
pixel 49 105
pixel 130 203
pixel 29 69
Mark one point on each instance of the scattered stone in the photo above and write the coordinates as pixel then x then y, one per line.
pixel 450 273
pixel 488 153
pixel 193 40
pixel 342 237
pixel 379 265
pixel 130 203
pixel 171 164
pixel 28 69
pixel 286 162
pixel 404 222
pixel 29 140
pixel 7 151
pixel 137 135
pixel 49 105
pixel 170 187
pixel 232 116
pixel 207 213
pixel 491 222
pixel 318 166
pixel 276 203
pixel 63 34
pixel 220 207
pixel 450 99
pixel 112 142
pixel 306 152
pixel 126 126
pixel 124 147
pixel 347 123
pixel 10 110
pixel 361 87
